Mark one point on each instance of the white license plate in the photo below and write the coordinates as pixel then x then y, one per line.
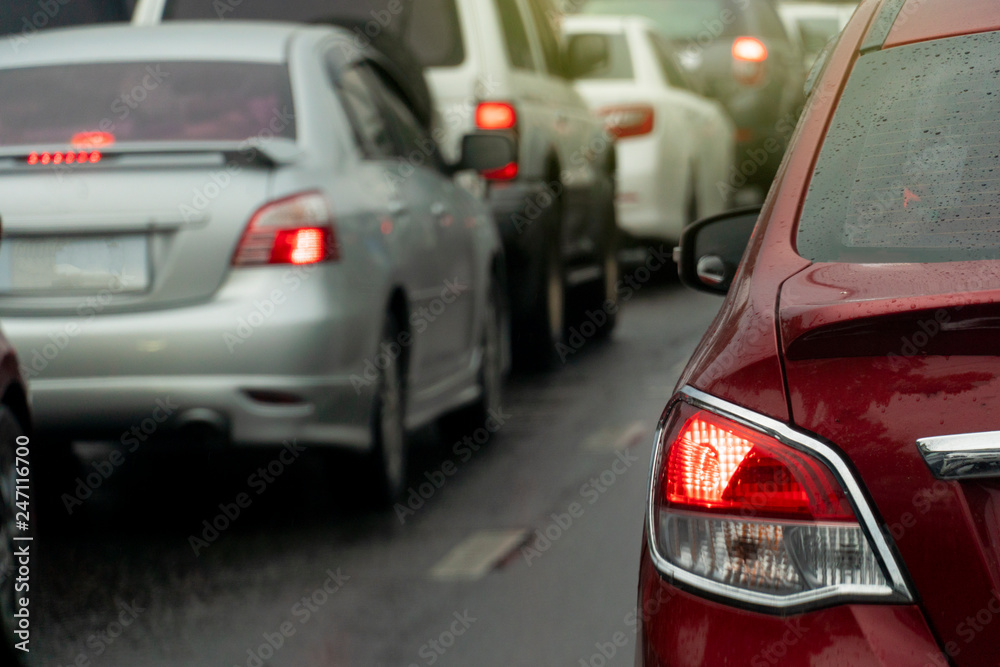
pixel 75 264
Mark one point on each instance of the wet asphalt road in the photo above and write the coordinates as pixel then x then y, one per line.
pixel 304 577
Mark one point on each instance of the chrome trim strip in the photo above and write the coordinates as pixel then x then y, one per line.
pixel 963 455
pixel 896 592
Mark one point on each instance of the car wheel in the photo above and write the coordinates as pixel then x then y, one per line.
pixel 387 462
pixel 491 373
pixel 10 431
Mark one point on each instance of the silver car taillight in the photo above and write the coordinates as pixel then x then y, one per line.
pixel 293 230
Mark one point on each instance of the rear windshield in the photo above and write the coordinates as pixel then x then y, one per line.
pixel 145 101
pixel 619 65
pixel 910 169
pixel 679 19
pixel 431 31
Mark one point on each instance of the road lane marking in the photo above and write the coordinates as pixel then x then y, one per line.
pixel 477 555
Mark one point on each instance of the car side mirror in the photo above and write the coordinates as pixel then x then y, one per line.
pixel 586 54
pixel 486 152
pixel 711 250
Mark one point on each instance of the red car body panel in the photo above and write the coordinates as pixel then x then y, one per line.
pixel 919 21
pixel 680 629
pixel 869 358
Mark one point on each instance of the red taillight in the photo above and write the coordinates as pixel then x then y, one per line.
pixel 507 173
pixel 717 465
pixel 628 121
pixel 71 157
pixel 749 49
pixel 749 59
pixel 736 511
pixel 496 116
pixel 295 230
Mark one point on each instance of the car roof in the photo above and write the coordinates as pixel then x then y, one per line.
pixel 922 20
pixel 604 23
pixel 227 41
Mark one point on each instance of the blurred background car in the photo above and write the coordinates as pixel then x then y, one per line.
pixel 674 146
pixel 15 424
pixel 837 425
pixel 813 24
pixel 740 54
pixel 497 66
pixel 240 234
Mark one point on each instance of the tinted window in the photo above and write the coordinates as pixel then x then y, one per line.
pixel 28 16
pixel 619 64
pixel 431 29
pixel 370 126
pixel 515 35
pixel 679 19
pixel 910 169
pixel 410 136
pixel 173 101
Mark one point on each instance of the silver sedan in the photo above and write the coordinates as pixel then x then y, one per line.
pixel 240 231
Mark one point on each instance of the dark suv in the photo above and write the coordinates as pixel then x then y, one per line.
pixel 740 54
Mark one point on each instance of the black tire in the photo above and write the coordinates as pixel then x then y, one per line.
pixel 55 470
pixel 10 431
pixel 598 303
pixel 386 464
pixel 491 373
pixel 546 325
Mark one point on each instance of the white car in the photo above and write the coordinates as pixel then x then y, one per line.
pixel 813 24
pixel 675 147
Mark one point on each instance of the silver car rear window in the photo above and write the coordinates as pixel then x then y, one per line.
pixel 145 101
pixel 910 167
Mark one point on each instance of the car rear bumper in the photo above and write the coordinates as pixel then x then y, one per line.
pixel 643 210
pixel 267 360
pixel 676 627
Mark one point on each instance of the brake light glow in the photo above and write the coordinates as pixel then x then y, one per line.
pixel 92 140
pixel 71 157
pixel 736 511
pixel 507 173
pixel 295 230
pixel 628 121
pixel 495 116
pixel 749 49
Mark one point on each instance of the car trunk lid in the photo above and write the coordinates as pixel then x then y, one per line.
pixel 879 356
pixel 140 229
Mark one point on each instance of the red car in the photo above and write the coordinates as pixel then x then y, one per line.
pixel 826 483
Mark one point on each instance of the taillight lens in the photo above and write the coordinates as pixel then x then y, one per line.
pixel 628 121
pixel 295 230
pixel 69 157
pixel 738 512
pixel 496 116
pixel 749 60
